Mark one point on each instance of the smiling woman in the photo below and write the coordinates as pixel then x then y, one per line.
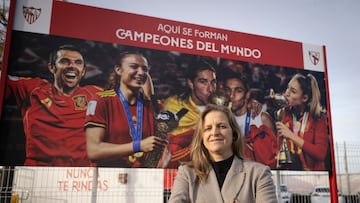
pixel 108 142
pixel 216 172
pixel 217 136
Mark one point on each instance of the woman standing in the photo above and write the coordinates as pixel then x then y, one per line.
pixel 304 125
pixel 218 171
pixel 120 121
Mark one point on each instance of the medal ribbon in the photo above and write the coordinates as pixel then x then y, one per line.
pixel 300 134
pixel 303 124
pixel 247 123
pixel 299 130
pixel 136 134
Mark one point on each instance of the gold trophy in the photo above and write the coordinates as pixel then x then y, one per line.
pixel 165 122
pixel 280 102
pixel 219 97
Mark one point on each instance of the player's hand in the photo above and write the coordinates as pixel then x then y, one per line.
pixel 153 143
pixel 165 158
pixel 283 130
pixel 255 108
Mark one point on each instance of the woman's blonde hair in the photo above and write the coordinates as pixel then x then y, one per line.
pixel 309 87
pixel 200 158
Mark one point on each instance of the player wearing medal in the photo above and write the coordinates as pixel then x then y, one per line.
pixel 53 112
pixel 257 126
pixel 119 124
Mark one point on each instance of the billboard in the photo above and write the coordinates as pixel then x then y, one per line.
pixel 43 116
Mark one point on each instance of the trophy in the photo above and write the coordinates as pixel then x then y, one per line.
pixel 219 97
pixel 165 122
pixel 280 102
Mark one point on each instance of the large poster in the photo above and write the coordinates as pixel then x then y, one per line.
pixel 58 104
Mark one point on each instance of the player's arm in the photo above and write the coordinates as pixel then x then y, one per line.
pixel 20 87
pixel 268 121
pixel 97 149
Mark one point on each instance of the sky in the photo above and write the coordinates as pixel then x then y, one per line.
pixel 331 23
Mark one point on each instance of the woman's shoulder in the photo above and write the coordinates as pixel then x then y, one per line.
pixel 107 93
pixel 323 115
pixel 250 165
pixel 186 170
pixel 185 167
pixel 105 96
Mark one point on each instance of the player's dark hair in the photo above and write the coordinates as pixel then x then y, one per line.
pixel 193 70
pixel 69 47
pixel 239 76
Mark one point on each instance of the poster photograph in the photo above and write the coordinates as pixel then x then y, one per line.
pixel 63 106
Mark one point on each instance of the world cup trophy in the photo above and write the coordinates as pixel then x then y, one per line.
pixel 280 103
pixel 219 97
pixel 165 122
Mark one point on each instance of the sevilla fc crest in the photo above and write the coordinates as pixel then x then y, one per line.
pixel 314 57
pixel 31 14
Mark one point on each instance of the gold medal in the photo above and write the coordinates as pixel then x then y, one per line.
pixel 132 158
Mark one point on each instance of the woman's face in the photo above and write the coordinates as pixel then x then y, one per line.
pixel 294 94
pixel 133 71
pixel 217 135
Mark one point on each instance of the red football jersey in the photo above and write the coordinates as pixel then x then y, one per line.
pixel 53 123
pixel 106 110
